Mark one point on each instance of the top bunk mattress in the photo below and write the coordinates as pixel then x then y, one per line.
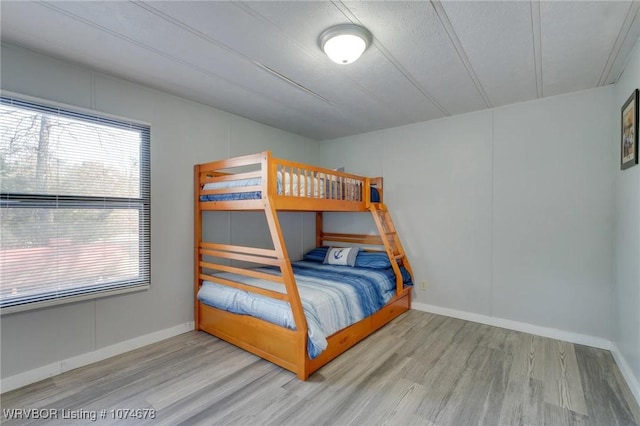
pixel 311 187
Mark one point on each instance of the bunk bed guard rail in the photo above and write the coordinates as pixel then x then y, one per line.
pixel 243 183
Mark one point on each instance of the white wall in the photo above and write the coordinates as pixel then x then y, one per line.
pixel 506 213
pixel 627 239
pixel 183 133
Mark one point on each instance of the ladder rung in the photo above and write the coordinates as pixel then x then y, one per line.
pixel 389 234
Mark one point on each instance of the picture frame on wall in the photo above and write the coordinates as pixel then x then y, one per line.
pixel 629 132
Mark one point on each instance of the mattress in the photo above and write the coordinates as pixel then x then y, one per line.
pixel 333 297
pixel 301 186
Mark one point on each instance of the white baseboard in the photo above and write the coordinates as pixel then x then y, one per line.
pixel 627 373
pixel 553 333
pixel 41 373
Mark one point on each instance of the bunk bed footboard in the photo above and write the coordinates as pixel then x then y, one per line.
pixel 277 344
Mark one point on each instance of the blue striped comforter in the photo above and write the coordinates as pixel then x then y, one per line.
pixel 333 297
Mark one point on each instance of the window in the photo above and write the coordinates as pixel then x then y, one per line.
pixel 74 205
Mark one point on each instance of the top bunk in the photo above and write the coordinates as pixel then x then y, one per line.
pixel 259 181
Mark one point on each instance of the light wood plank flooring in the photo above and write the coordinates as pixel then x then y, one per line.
pixel 420 369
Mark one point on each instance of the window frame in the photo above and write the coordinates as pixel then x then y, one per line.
pixel 141 204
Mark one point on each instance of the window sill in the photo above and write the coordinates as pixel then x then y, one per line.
pixel 72 299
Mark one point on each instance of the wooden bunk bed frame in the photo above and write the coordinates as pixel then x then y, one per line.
pixel 287 186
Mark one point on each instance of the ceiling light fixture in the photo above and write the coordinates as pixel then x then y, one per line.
pixel 344 43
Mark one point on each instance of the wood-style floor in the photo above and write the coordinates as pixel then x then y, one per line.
pixel 420 369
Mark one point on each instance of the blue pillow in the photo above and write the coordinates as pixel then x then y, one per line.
pixel 365 259
pixel 316 255
pixel 375 195
pixel 373 260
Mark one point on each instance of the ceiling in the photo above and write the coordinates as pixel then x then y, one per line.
pixel 261 60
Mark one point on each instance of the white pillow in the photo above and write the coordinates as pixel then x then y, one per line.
pixel 345 256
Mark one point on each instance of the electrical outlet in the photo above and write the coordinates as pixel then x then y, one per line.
pixel 423 285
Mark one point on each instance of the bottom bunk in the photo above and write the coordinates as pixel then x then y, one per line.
pixel 342 305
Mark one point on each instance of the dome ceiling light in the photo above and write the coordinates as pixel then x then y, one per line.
pixel 344 43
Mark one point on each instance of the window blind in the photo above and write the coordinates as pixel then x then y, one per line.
pixel 74 204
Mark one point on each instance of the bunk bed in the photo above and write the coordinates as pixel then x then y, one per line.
pixel 232 280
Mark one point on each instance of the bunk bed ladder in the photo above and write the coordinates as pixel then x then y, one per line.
pixel 389 236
